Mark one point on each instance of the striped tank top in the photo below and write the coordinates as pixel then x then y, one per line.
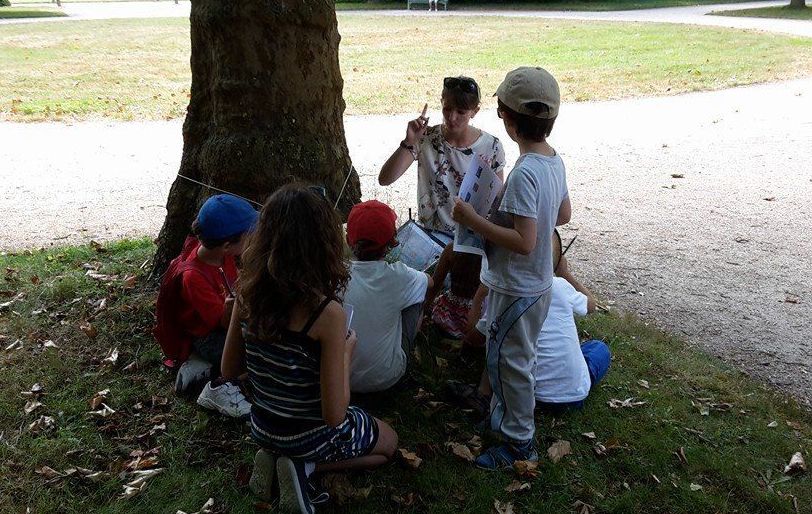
pixel 285 378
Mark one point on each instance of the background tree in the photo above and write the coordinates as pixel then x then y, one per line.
pixel 265 108
pixel 797 4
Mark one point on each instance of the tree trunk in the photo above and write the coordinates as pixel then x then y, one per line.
pixel 266 108
pixel 797 4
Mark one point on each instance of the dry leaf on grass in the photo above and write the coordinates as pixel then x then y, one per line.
pixel 207 508
pixel 156 429
pixel 342 491
pixel 139 482
pixel 422 394
pixel 49 344
pixel 558 450
pixel 695 487
pixel 31 406
pixel 589 435
pixel 89 330
pixel 104 412
pixel 526 468
pixel 410 458
pixel 130 281
pixel 772 424
pixel 111 358
pixel 405 500
pixel 582 507
pixel 796 465
pixel 643 383
pixel 101 277
pixel 517 487
pixel 48 472
pixel 42 424
pixel 681 455
pixel 503 508
pixel 461 451
pixel 627 403
pixel 99 398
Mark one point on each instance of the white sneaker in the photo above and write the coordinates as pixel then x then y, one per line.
pixel 194 371
pixel 227 399
pixel 261 482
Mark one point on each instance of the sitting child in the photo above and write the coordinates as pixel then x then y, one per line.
pixel 450 310
pixel 291 334
pixel 387 299
pixel 195 301
pixel 565 370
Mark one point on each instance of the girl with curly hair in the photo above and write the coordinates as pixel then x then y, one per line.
pixel 291 335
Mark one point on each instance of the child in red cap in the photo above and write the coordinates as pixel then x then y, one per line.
pixel 387 299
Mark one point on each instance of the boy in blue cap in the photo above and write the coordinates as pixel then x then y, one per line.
pixel 196 300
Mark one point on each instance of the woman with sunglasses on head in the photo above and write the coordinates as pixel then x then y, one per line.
pixel 444 153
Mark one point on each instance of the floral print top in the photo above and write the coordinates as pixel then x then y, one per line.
pixel 440 169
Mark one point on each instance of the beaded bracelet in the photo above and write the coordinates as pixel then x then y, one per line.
pixel 409 148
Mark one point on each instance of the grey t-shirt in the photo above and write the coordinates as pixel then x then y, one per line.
pixel 535 188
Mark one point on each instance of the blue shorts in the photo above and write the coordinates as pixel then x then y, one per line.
pixel 355 437
pixel 598 357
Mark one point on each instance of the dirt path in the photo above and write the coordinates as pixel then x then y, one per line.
pixel 705 255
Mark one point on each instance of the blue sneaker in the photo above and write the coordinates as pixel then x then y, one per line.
pixel 504 455
pixel 293 486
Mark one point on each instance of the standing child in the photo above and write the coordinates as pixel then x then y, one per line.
pixel 291 335
pixel 518 270
pixel 195 301
pixel 388 300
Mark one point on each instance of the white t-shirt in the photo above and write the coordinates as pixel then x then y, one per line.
pixel 378 292
pixel 535 189
pixel 440 170
pixel 561 372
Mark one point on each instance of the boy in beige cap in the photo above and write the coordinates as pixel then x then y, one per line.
pixel 518 270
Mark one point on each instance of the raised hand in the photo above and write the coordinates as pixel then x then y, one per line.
pixel 417 127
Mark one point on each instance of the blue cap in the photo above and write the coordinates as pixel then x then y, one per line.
pixel 225 216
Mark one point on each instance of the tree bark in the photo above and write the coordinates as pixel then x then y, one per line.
pixel 265 108
pixel 797 4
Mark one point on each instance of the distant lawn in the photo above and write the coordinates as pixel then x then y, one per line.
pixel 28 12
pixel 771 12
pixel 139 69
pixel 705 439
pixel 553 5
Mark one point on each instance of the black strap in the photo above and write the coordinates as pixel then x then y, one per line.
pixel 315 315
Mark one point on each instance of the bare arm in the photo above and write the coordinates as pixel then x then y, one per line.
pixel 520 239
pixel 232 364
pixel 397 164
pixel 563 271
pixel 438 278
pixel 564 212
pixel 336 352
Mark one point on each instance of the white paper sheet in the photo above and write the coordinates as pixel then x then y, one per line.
pixel 479 187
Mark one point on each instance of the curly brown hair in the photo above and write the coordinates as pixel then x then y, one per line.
pixel 293 257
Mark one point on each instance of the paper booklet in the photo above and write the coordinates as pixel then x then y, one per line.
pixel 418 248
pixel 479 187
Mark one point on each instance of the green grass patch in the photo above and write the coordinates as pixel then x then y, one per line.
pixel 735 453
pixel 27 12
pixel 784 12
pixel 139 69
pixel 553 5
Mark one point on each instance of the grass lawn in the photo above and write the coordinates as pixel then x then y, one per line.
pixel 28 12
pixel 771 12
pixel 706 438
pixel 139 69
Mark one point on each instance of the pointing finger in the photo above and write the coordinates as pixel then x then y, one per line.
pixel 425 108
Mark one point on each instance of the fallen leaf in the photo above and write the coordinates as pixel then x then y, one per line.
pixel 475 442
pixel 582 507
pixel 42 424
pixel 526 468
pixel 101 277
pixel 97 246
pixel 516 487
pixel 130 281
pixel 796 465
pixel 589 435
pixel 600 450
pixel 772 424
pixel 681 455
pixel 695 487
pixel 410 458
pixel 15 345
pixel 342 491
pixel 111 358
pixel 503 508
pixel 794 425
pixel 643 383
pixel 627 403
pixel 142 463
pixel 48 472
pixel 35 280
pixel 98 399
pixel 104 412
pixel 157 429
pixel 461 451
pixel 654 477
pixel 49 344
pixel 207 508
pixel 558 450
pixel 31 406
pixel 89 330
pixel 406 500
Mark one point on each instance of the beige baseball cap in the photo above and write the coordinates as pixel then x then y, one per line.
pixel 527 85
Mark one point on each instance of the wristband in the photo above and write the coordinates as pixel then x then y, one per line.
pixel 409 148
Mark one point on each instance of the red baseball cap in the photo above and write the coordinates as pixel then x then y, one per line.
pixel 371 221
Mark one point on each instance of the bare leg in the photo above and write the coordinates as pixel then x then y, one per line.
pixel 383 452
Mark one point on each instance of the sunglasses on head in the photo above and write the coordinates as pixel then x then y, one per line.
pixel 465 84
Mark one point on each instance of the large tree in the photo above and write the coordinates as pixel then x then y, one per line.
pixel 265 108
pixel 797 4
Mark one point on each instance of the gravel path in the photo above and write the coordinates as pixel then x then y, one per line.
pixel 692 15
pixel 706 255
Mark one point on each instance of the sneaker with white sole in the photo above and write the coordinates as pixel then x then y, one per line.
pixel 261 482
pixel 227 399
pixel 194 371
pixel 293 486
